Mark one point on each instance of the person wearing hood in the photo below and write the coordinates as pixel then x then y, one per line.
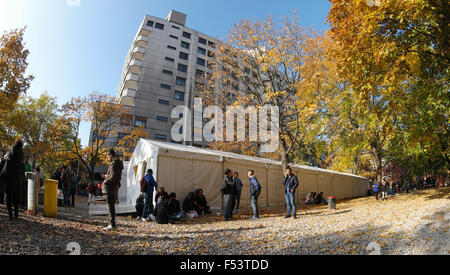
pixel 13 173
pixel 111 185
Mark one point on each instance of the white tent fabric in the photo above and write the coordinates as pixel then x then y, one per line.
pixel 181 169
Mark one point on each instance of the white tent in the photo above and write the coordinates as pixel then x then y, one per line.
pixel 181 169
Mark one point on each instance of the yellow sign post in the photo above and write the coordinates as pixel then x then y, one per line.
pixel 51 198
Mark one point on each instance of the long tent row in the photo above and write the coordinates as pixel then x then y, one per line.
pixel 181 169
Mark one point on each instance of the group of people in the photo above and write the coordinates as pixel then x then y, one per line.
pixel 314 198
pixel 167 209
pixel 385 188
pixel 67 182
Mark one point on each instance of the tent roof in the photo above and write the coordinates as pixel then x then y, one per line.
pixel 196 150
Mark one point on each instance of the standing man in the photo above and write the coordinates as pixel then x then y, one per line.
pixel 66 179
pixel 28 168
pixel 290 183
pixel 148 186
pixel 239 186
pixel 74 187
pixel 111 186
pixel 255 191
pixel 13 173
pixel 228 189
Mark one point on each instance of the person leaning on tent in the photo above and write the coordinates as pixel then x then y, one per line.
pixel 148 186
pixel 161 212
pixel 111 186
pixel 238 190
pixel 13 173
pixel 228 189
pixel 290 183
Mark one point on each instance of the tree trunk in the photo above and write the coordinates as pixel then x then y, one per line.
pixel 284 156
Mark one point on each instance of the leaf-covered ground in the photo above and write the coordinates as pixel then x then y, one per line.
pixel 405 224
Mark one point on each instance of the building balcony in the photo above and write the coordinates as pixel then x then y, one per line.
pixel 135 66
pixel 144 32
pixel 131 81
pixel 129 93
pixel 138 53
pixel 142 41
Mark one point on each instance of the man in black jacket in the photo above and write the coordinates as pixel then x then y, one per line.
pixel 228 189
pixel 13 173
pixel 290 183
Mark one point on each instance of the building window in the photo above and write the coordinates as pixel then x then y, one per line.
pixel 150 23
pixel 140 121
pixel 184 56
pixel 162 118
pixel 175 27
pixel 171 47
pixel 181 81
pixel 185 45
pixel 179 95
pixel 167 72
pixel 187 35
pixel 163 137
pixel 202 41
pixel 182 68
pixel 170 59
pixel 201 51
pixel 165 102
pixel 174 37
pixel 211 44
pixel 159 26
pixel 201 62
pixel 165 86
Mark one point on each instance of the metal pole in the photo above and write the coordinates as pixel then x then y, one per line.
pixel 33 190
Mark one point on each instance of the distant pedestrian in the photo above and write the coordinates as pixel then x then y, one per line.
pixel 376 189
pixel 290 183
pixel 74 187
pixel 66 180
pixel 13 173
pixel 384 190
pixel 239 186
pixel 92 191
pixel 228 189
pixel 174 208
pixel 111 185
pixel 255 191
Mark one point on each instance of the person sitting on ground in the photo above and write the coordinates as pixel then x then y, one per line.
pixel 189 202
pixel 139 206
pixel 319 199
pixel 174 208
pixel 161 215
pixel 309 198
pixel 162 194
pixel 202 207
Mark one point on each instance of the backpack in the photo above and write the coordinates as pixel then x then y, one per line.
pixel 143 184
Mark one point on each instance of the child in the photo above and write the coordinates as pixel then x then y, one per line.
pixel 139 206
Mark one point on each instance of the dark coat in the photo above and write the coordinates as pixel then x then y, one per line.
pixel 162 213
pixel 188 203
pixel 13 172
pixel 292 182
pixel 111 184
pixel 174 207
pixel 66 181
pixel 228 186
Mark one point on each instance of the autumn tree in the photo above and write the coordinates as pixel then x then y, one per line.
pixel 127 144
pixel 263 63
pixel 106 118
pixel 395 56
pixel 13 79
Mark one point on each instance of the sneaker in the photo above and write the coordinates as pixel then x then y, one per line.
pixel 287 217
pixel 144 220
pixel 110 228
pixel 138 218
pixel 254 218
pixel 294 217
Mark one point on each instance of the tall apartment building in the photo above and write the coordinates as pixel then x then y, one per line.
pixel 160 70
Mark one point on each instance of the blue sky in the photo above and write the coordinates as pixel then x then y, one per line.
pixel 79 46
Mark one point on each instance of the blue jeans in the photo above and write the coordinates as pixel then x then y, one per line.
pixel 290 204
pixel 254 203
pixel 148 205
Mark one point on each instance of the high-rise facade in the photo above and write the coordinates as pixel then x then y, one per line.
pixel 160 73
